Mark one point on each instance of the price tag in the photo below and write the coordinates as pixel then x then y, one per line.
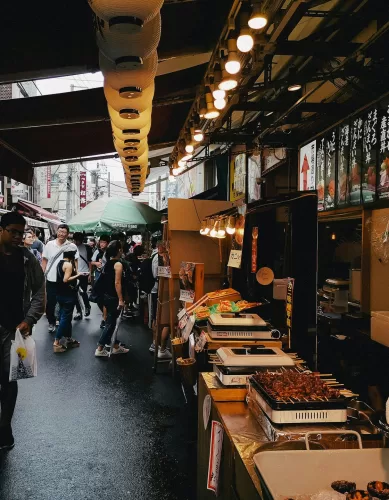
pixel 188 328
pixel 181 314
pixel 215 456
pixel 200 342
pixel 164 272
pixel 187 295
pixel 235 259
pixel 183 321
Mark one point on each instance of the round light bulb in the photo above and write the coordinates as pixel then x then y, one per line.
pixel 219 94
pixel 175 171
pixel 198 135
pixel 228 83
pixel 186 157
pixel 257 20
pixel 215 229
pixel 233 67
pixel 220 103
pixel 294 87
pixel 211 113
pixel 181 163
pixel 189 148
pixel 245 43
pixel 231 225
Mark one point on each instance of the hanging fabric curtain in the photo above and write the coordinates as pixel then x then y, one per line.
pixel 130 133
pixel 117 102
pixel 128 51
pixel 125 123
pixel 126 16
pixel 141 78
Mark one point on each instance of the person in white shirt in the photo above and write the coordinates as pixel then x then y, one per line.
pixel 84 268
pixel 52 255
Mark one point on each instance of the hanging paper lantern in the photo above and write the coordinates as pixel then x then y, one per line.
pixel 134 81
pixel 129 118
pixel 135 156
pixel 119 144
pixel 129 51
pixel 130 133
pixel 127 150
pixel 126 16
pixel 141 160
pixel 140 103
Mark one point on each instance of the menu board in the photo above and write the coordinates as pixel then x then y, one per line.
pixel 383 180
pixel 330 170
pixel 307 167
pixel 356 161
pixel 320 173
pixel 343 163
pixel 369 156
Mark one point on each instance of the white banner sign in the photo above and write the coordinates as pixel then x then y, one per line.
pixel 235 259
pixel 307 167
pixel 215 456
pixel 187 295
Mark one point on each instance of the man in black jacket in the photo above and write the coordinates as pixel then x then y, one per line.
pixel 22 303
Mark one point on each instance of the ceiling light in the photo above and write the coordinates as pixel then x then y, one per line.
pixel 293 87
pixel 131 114
pixel 228 82
pixel 215 229
pixel 258 19
pixel 268 113
pixel 217 78
pixel 182 164
pixel 130 92
pixel 231 225
pixel 203 229
pixel 175 171
pixel 219 94
pixel 186 157
pixel 232 63
pixel 245 41
pixel 221 233
pixel 198 135
pixel 189 148
pixel 212 112
pixel 220 103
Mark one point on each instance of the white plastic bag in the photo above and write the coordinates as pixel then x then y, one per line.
pixel 23 358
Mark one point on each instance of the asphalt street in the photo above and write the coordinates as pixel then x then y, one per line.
pixel 93 428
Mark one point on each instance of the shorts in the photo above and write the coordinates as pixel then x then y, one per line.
pixel 6 336
pixel 154 305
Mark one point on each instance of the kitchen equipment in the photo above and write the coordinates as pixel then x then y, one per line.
pixel 338 291
pixel 286 474
pixel 380 327
pixel 294 411
pixel 237 326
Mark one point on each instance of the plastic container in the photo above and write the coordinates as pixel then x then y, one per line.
pixel 380 327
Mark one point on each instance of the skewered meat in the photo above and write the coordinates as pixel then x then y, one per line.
pixel 295 385
pixel 358 495
pixel 343 486
pixel 378 489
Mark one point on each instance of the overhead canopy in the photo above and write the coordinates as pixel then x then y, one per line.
pixel 46 42
pixel 115 214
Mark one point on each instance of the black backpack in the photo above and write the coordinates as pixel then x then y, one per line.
pixel 98 288
pixel 146 279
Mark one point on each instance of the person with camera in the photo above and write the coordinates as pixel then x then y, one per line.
pixel 67 283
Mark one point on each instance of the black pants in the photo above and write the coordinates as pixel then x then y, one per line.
pixel 51 301
pixel 111 303
pixel 83 281
pixel 9 390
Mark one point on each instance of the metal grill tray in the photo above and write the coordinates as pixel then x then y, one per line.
pixel 331 404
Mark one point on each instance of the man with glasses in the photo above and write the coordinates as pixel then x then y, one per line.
pixel 52 255
pixel 22 303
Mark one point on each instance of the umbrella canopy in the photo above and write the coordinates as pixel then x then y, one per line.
pixel 113 214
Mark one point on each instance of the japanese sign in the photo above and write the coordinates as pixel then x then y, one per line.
pixel 235 259
pixel 215 456
pixel 320 172
pixel 238 177
pixel 356 160
pixel 307 167
pixel 330 159
pixel 369 156
pixel 343 162
pixel 48 182
pixel 82 190
pixel 383 181
pixel 186 276
pixel 289 307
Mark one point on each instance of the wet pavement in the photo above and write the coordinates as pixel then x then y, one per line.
pixel 92 428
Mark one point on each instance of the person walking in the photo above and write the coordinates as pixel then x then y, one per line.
pixel 98 262
pixel 52 254
pixel 84 270
pixel 22 303
pixel 37 244
pixel 113 299
pixel 28 241
pixel 67 277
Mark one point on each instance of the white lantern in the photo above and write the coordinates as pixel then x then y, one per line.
pixel 126 16
pixel 126 119
pixel 140 103
pixel 128 51
pixel 130 133
pixel 139 78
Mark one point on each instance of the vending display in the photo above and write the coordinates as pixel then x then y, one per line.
pixel 330 170
pixel 343 198
pixel 369 156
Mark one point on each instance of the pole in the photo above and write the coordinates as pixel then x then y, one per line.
pixel 109 184
pixel 68 193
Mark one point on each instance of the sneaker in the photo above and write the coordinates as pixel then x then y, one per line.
pixel 51 328
pixel 87 312
pixel 101 354
pixel 108 346
pixel 164 354
pixel 120 350
pixel 152 347
pixel 7 441
pixel 77 317
pixel 102 325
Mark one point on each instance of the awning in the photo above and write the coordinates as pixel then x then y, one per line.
pixel 30 222
pixel 36 209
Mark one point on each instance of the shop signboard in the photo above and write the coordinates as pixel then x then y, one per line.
pixel 343 163
pixel 320 172
pixel 238 177
pixel 356 160
pixel 369 155
pixel 82 190
pixel 307 167
pixel 48 182
pixel 186 276
pixel 254 175
pixel 383 180
pixel 330 170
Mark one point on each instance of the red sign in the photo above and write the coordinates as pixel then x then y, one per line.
pixel 49 182
pixel 83 190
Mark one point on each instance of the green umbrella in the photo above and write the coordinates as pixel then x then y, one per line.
pixel 115 214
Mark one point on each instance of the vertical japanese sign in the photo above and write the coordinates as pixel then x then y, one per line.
pixel 289 307
pixel 307 167
pixel 383 181
pixel 356 161
pixel 215 456
pixel 48 182
pixel 82 190
pixel 320 173
pixel 238 177
pixel 330 177
pixel 369 156
pixel 343 162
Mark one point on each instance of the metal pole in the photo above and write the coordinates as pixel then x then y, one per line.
pixel 109 184
pixel 68 193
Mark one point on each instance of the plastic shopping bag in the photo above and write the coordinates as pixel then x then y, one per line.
pixel 23 358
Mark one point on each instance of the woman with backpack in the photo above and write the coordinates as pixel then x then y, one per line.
pixel 113 298
pixel 67 276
